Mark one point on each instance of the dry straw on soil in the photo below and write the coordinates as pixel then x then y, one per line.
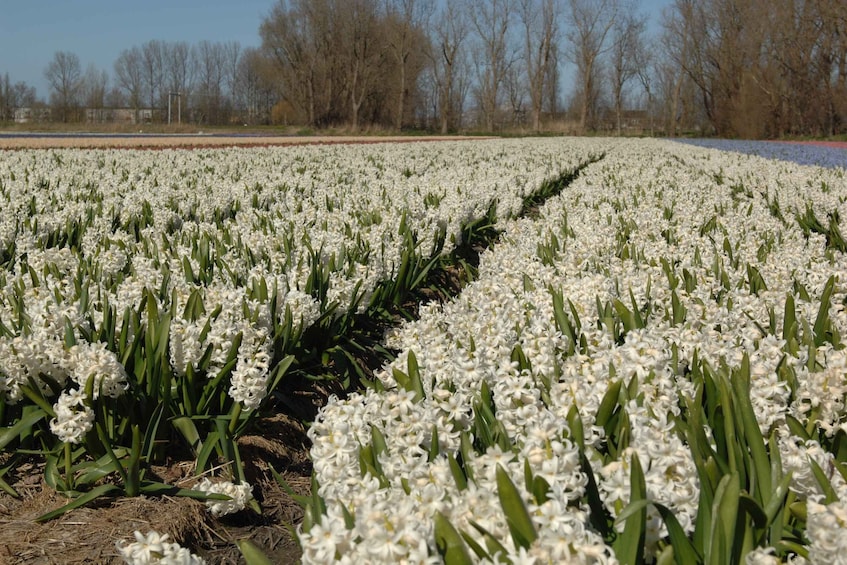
pixel 88 535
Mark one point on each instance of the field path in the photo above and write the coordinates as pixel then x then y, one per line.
pixel 191 141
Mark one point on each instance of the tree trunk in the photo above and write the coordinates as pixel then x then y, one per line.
pixel 446 104
pixel 650 112
pixel 618 104
pixel 587 94
pixel 354 113
pixel 402 98
pixel 618 121
pixel 675 107
pixel 311 95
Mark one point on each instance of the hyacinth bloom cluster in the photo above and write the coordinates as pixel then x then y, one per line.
pixel 73 418
pixel 213 236
pixel 154 548
pixel 669 263
pixel 579 375
pixel 239 495
pixel 154 299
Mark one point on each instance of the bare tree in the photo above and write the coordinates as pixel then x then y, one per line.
pixel 839 23
pixel 299 36
pixel 491 20
pixel 14 96
pixel 405 18
pixel 675 66
pixel 256 89
pixel 807 43
pixel 115 98
pixel 626 39
pixel 63 73
pixel 93 87
pixel 5 95
pixel 177 72
pixel 515 87
pixel 347 61
pixel 540 19
pixel 129 74
pixel 153 64
pixel 449 36
pixel 231 58
pixel 208 61
pixel 644 63
pixel 360 43
pixel 551 83
pixel 590 22
pixel 719 46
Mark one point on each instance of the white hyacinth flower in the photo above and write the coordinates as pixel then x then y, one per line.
pixel 93 360
pixel 74 418
pixel 239 495
pixel 154 548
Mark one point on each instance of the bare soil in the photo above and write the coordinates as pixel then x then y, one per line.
pixel 89 534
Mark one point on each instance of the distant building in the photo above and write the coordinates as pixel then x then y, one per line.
pixel 26 115
pixel 637 120
pixel 89 115
pixel 118 116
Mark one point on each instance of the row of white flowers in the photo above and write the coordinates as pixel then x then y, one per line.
pixel 168 274
pixel 707 247
pixel 83 231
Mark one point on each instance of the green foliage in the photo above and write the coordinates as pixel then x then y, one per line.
pixel 133 431
pixel 809 223
pixel 449 542
pixel 517 516
pixel 744 497
pixel 554 186
pixel 251 553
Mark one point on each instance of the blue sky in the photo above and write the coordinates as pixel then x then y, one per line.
pixel 31 31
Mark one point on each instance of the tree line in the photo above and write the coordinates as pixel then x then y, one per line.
pixel 748 68
pixel 762 68
pixel 207 83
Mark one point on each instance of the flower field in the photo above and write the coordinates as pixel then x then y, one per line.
pixel 646 366
pixel 662 378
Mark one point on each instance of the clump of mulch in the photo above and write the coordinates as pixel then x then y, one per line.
pixel 89 534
